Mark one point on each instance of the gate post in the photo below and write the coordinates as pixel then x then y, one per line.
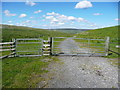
pixel 107 46
pixel 51 45
pixel 14 44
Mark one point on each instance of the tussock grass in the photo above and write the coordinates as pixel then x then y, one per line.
pixel 24 72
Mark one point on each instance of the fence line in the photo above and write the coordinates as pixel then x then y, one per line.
pixel 3 48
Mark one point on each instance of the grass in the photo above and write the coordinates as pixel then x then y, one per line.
pixel 24 72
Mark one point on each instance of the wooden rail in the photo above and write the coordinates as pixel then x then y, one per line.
pixel 10 47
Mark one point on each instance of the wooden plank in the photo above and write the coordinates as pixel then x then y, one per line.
pixel 46 41
pixel 46 45
pixel 46 51
pixel 46 54
pixel 6 43
pixel 46 48
pixel 4 56
pixel 7 46
pixel 7 49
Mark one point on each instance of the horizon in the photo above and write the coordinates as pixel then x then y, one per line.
pixel 52 15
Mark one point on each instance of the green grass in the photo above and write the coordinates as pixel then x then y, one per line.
pixel 102 33
pixel 24 72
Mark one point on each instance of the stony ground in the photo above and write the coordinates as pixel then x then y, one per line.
pixel 80 72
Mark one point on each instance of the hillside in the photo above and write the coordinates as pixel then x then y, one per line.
pixel 9 32
pixel 112 32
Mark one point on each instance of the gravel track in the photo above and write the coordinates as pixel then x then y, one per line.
pixel 81 72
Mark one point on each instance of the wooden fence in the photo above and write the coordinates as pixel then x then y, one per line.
pixel 7 46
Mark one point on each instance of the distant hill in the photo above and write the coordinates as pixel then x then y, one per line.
pixel 9 32
pixel 70 30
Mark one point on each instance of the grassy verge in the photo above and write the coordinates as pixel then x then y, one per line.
pixel 24 72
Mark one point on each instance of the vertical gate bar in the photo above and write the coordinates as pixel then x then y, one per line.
pixel 15 43
pixel 51 46
pixel 88 45
pixel 39 47
pixel 107 46
pixel 42 47
pixel 11 48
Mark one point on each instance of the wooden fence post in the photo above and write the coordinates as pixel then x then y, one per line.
pixel 14 40
pixel 107 46
pixel 51 45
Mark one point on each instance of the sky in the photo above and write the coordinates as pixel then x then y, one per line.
pixel 49 15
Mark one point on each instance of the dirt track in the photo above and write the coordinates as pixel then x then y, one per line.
pixel 81 72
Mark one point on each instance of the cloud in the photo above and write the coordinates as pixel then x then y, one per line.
pixel 31 17
pixel 97 14
pixel 7 13
pixel 71 18
pixel 61 23
pixel 49 17
pixel 117 19
pixel 53 13
pixel 22 15
pixel 9 21
pixel 84 4
pixel 56 19
pixel 38 11
pixel 30 3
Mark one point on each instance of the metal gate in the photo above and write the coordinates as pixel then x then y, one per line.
pixel 28 47
pixel 80 46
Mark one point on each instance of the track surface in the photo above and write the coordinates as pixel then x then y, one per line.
pixel 81 72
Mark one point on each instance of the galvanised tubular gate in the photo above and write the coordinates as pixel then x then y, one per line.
pixel 27 47
pixel 93 48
